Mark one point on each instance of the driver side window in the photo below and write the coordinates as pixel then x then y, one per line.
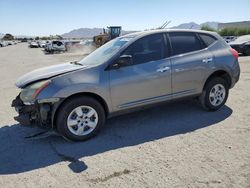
pixel 146 49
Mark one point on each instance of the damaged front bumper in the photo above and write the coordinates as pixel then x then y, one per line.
pixel 33 114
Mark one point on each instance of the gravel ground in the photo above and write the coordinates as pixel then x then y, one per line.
pixel 175 145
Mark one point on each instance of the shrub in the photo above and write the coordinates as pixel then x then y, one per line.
pixel 207 28
pixel 234 31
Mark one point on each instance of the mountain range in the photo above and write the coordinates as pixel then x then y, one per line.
pixel 193 25
pixel 90 32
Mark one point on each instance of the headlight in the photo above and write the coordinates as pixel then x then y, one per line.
pixel 30 93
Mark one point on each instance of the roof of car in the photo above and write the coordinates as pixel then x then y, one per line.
pixel 166 30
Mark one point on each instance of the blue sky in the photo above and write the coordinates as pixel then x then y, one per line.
pixel 44 17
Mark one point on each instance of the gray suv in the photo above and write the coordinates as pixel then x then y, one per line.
pixel 129 72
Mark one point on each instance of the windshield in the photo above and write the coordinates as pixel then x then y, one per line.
pixel 245 38
pixel 105 52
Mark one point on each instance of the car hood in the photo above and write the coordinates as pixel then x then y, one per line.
pixel 46 73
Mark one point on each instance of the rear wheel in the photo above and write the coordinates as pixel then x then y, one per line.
pixel 80 118
pixel 99 42
pixel 215 94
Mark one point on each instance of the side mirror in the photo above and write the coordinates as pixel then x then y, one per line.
pixel 122 61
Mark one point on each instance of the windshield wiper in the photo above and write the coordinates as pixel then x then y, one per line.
pixel 76 63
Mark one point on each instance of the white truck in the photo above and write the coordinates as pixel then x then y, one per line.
pixel 55 46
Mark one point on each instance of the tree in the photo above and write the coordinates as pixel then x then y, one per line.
pixel 37 38
pixel 234 31
pixel 207 28
pixel 44 38
pixel 8 37
pixel 59 37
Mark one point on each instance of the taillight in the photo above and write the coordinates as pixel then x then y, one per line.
pixel 234 53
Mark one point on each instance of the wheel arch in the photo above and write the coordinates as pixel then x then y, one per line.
pixel 221 74
pixel 82 94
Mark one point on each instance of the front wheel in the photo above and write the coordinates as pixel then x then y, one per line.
pixel 215 94
pixel 80 118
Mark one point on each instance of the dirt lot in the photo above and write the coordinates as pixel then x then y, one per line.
pixel 176 145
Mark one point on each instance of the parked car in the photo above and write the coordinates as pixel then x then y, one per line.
pixel 24 40
pixel 229 38
pixel 9 42
pixel 129 72
pixel 3 44
pixel 42 44
pixel 242 44
pixel 33 44
pixel 55 46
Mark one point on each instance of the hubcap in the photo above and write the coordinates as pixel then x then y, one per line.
pixel 217 95
pixel 82 120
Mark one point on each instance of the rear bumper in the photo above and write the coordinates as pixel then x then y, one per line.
pixel 235 80
pixel 34 114
pixel 235 74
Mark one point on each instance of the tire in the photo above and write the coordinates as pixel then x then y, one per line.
pixel 99 42
pixel 73 121
pixel 214 94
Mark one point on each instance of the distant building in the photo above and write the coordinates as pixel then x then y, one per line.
pixel 243 24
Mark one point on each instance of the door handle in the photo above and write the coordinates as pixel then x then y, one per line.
pixel 179 70
pixel 163 69
pixel 207 60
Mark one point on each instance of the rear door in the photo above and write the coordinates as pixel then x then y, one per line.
pixel 191 61
pixel 147 79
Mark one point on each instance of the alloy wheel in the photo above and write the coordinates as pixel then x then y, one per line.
pixel 82 120
pixel 217 94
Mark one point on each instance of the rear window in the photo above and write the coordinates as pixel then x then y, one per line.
pixel 183 42
pixel 207 39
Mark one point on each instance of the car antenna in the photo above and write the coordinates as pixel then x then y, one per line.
pixel 165 24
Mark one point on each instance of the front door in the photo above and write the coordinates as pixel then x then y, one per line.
pixel 147 79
